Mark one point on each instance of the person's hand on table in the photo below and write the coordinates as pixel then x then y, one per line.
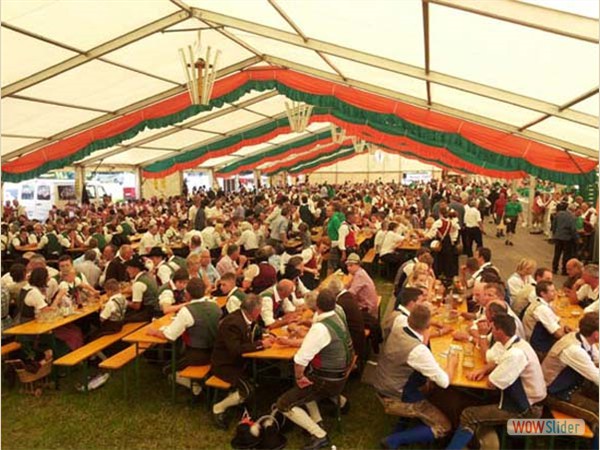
pixel 461 336
pixel 268 341
pixel 568 329
pixel 483 327
pixel 476 375
pixel 452 362
pixel 467 315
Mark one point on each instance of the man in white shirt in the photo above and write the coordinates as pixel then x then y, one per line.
pixel 517 373
pixel 542 325
pixel 248 240
pixel 404 366
pixel 588 292
pixel 200 320
pixel 277 301
pixel 484 258
pixel 89 268
pixel 150 239
pixel 571 373
pixel 473 228
pixel 321 366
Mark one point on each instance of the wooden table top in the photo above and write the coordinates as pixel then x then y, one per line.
pixel 78 249
pixel 277 351
pixel 35 327
pixel 27 248
pixel 140 336
pixel 441 345
pixel 568 313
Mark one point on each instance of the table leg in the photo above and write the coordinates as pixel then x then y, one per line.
pixel 85 376
pixel 137 367
pixel 55 369
pixel 173 371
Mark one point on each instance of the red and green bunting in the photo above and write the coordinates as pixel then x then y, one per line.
pixel 408 129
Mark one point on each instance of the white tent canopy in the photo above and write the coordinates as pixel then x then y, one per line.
pixel 529 68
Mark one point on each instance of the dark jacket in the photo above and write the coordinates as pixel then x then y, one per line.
pixel 354 318
pixel 117 270
pixel 234 337
pixel 200 222
pixel 564 226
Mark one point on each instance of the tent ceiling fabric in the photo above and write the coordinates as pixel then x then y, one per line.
pixel 514 66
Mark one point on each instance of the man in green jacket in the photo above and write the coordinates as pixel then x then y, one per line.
pixel 336 218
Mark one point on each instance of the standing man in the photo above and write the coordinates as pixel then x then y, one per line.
pixel 321 367
pixel 513 211
pixel 564 234
pixel 235 336
pixel 335 219
pixel 473 228
pixel 279 227
pixel 405 366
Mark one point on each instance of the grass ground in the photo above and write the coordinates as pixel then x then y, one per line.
pixel 68 419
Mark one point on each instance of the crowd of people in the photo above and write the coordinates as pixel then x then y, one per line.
pixel 266 251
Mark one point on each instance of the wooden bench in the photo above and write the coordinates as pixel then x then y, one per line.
pixel 82 354
pixel 89 350
pixel 587 434
pixel 121 359
pixel 195 372
pixel 369 260
pixel 10 347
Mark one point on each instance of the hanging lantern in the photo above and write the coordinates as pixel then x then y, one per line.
pixel 200 73
pixel 338 134
pixel 298 115
pixel 360 145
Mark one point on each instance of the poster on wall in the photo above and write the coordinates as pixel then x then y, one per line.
pixel 416 177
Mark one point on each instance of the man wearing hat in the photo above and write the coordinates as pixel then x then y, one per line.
pixel 161 270
pixel 361 285
pixel 234 338
pixel 144 299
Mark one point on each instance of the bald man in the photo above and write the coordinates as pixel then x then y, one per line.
pixel 278 300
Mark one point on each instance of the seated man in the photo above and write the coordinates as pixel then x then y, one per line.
pixel 518 374
pixel 197 322
pixel 353 315
pixel 405 365
pixel 234 338
pixel 542 327
pixel 113 312
pixel 209 275
pixel 587 293
pixel 525 296
pixel 571 373
pixel 144 293
pixel 277 301
pixel 408 299
pixel 234 294
pixel 233 261
pixel 171 295
pixel 574 272
pixel 321 366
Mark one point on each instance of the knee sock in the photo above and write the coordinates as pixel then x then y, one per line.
pixel 419 434
pixel 183 381
pixel 343 401
pixel 461 438
pixel 303 420
pixel 232 399
pixel 313 412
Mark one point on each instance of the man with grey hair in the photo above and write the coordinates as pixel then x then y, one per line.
pixel 587 294
pixel 278 300
pixel 235 337
pixel 89 268
pixel 354 316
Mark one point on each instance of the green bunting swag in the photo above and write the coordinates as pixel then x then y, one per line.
pixel 373 118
